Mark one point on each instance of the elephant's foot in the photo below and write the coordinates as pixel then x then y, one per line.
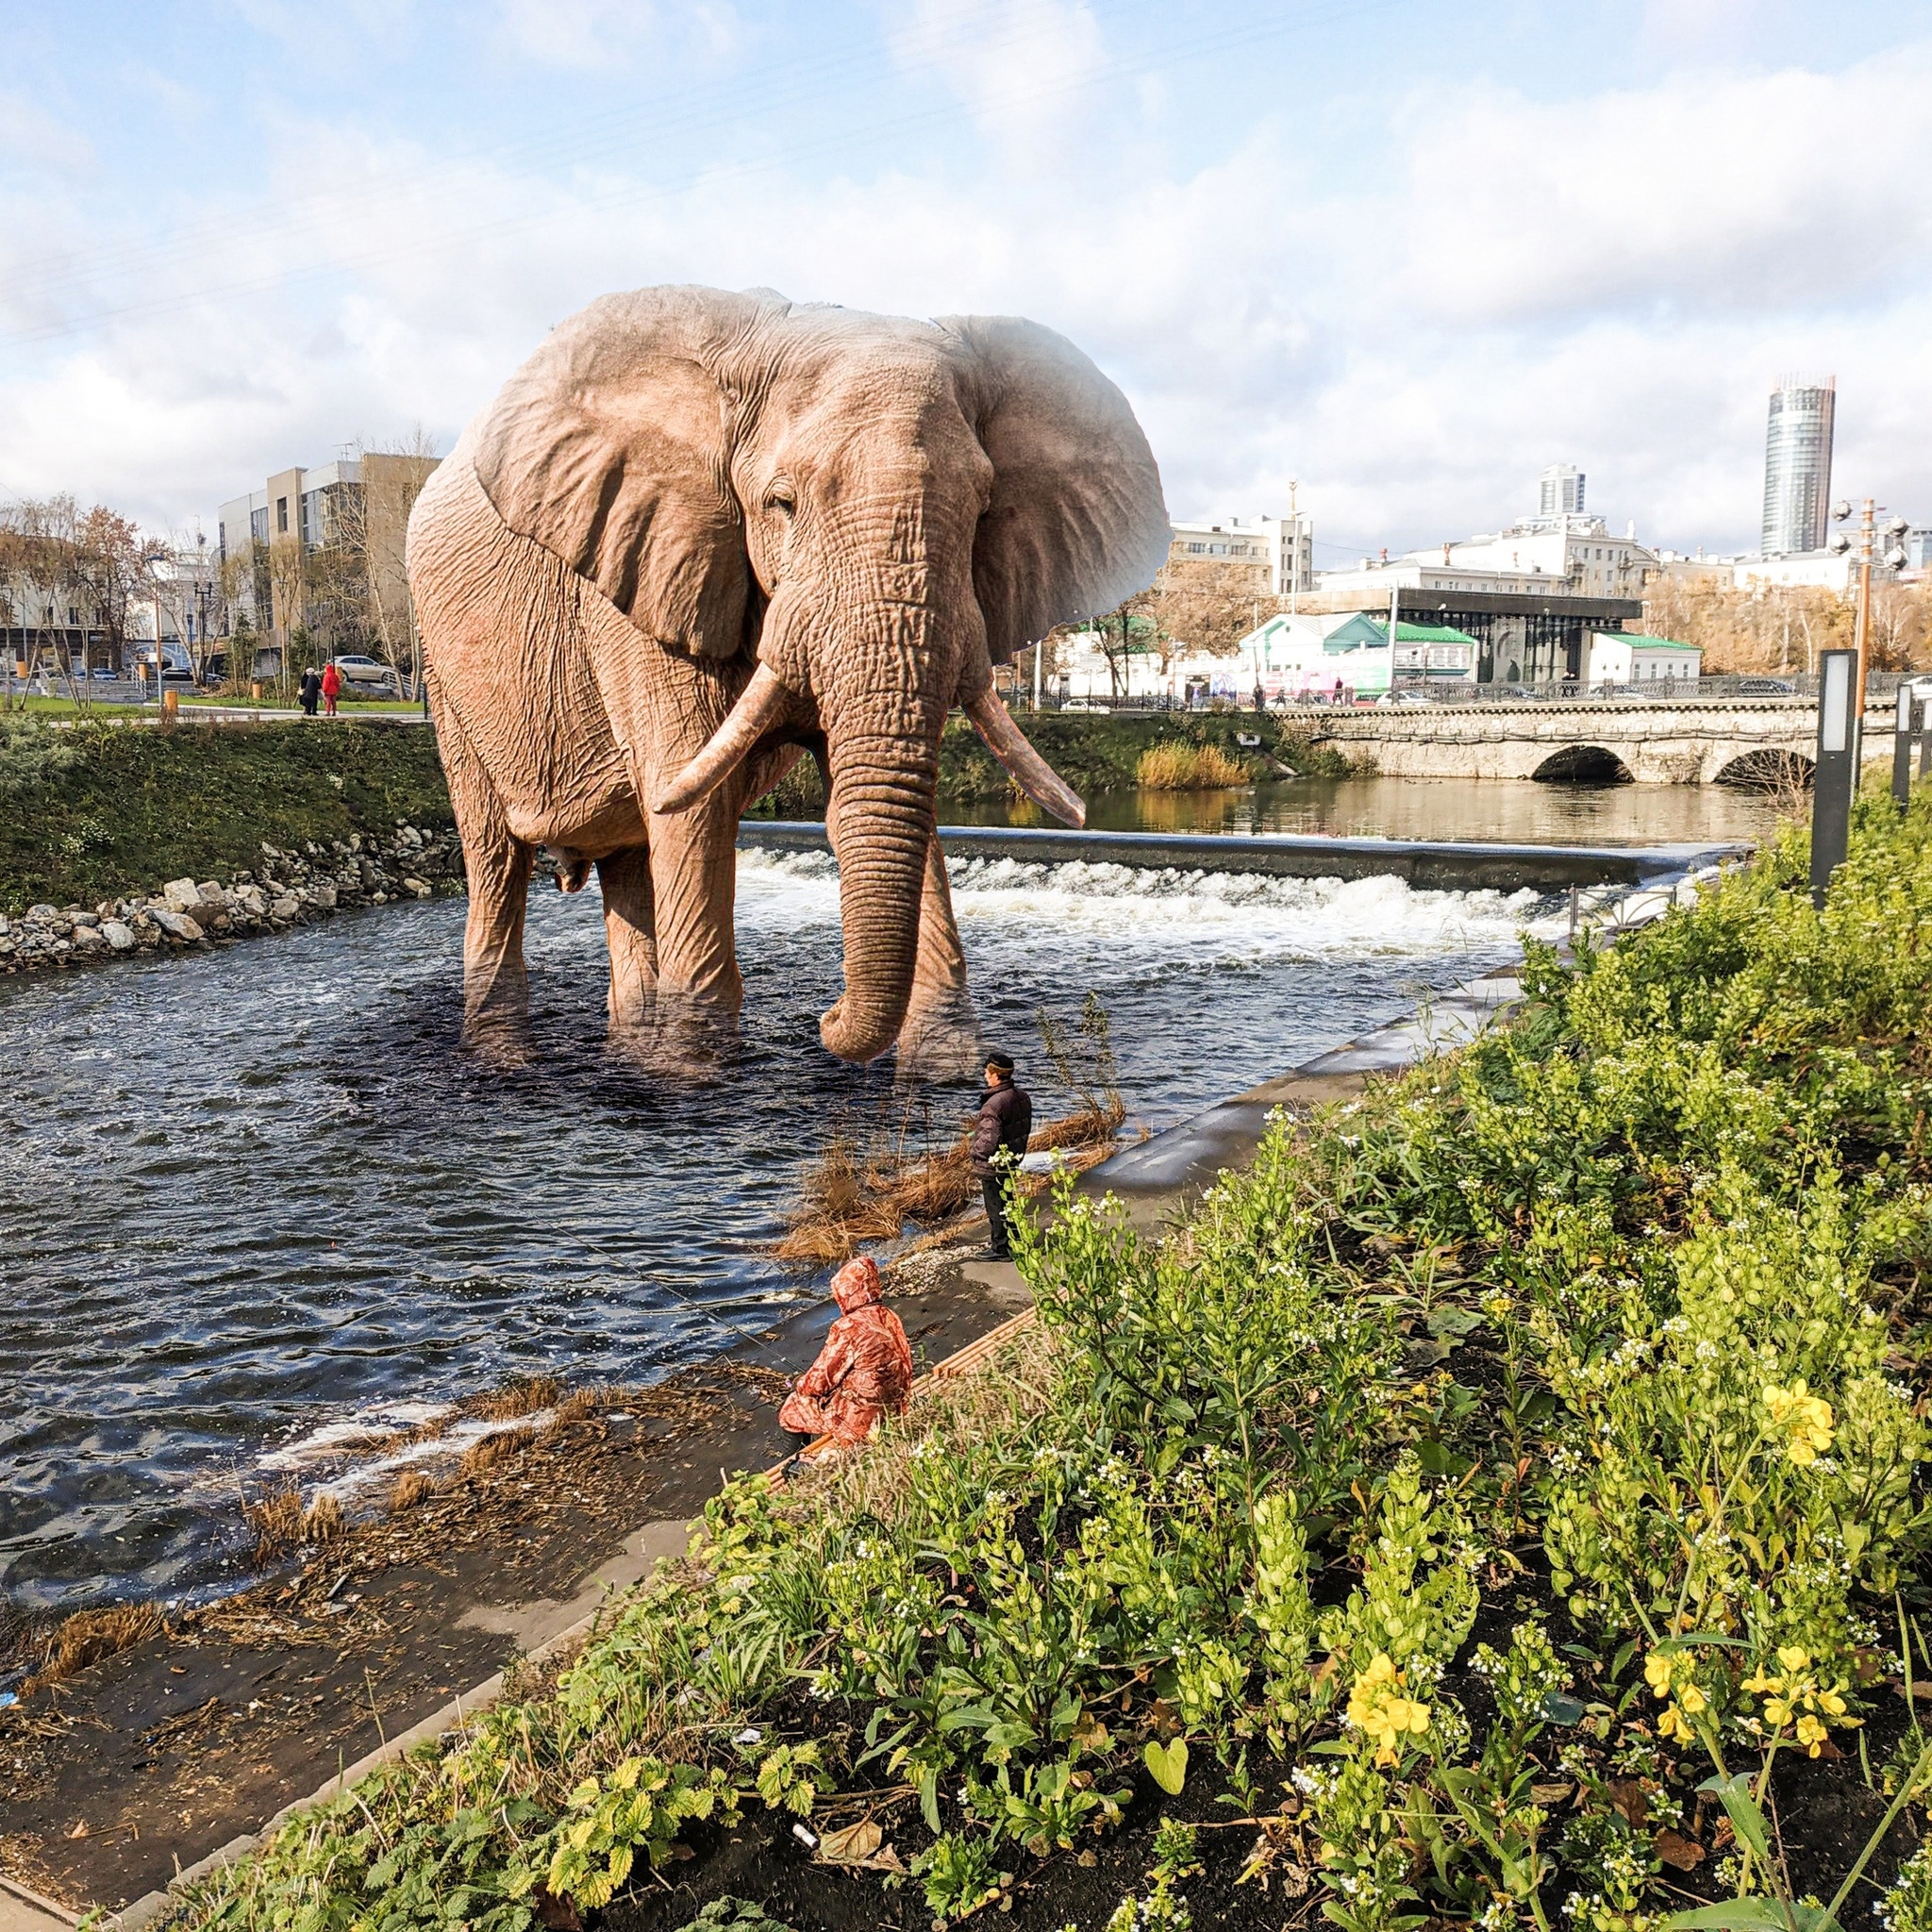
pixel 496 1023
pixel 672 1036
pixel 939 1039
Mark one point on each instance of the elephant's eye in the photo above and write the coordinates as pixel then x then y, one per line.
pixel 780 498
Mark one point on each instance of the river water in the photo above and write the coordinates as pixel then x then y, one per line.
pixel 252 1196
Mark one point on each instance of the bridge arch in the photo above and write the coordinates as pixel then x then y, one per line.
pixel 1583 764
pixel 1769 768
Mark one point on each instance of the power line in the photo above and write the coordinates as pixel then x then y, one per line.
pixel 811 81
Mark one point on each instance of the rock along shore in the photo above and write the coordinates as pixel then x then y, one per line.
pixel 285 889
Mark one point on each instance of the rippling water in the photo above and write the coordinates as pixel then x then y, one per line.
pixel 249 1195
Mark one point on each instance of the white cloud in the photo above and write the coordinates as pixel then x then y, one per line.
pixel 1612 281
pixel 576 33
pixel 1025 69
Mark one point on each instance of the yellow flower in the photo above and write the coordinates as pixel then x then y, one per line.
pixel 1671 1724
pixel 1758 1683
pixel 1831 1701
pixel 1692 1698
pixel 1656 1671
pixel 1811 1732
pixel 1377 1707
pixel 1793 1658
pixel 1803 1419
pixel 1778 1711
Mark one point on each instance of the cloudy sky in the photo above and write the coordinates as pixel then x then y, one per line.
pixel 1404 252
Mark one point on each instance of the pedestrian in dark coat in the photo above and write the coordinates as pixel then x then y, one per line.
pixel 309 693
pixel 999 1139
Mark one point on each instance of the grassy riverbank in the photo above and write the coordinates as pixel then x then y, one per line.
pixel 1093 754
pixel 1504 1505
pixel 100 811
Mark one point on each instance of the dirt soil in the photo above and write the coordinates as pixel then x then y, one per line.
pixel 138 1766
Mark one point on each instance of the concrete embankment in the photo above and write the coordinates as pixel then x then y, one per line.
pixel 1457 866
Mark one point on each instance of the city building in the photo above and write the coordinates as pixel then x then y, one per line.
pixel 1629 658
pixel 324 548
pixel 1279 551
pixel 1797 466
pixel 1344 658
pixel 1530 596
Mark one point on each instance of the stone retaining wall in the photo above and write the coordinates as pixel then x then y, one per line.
pixel 287 889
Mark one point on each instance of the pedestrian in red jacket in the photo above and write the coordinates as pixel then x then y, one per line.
pixel 863 1372
pixel 331 687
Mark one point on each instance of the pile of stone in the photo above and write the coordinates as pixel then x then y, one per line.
pixel 287 889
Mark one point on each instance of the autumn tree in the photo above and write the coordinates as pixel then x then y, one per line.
pixel 1204 606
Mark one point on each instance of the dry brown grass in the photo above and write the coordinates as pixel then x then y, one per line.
pixel 848 1203
pixel 89 1636
pixel 276 1521
pixel 323 1521
pixel 412 1490
pixel 499 1446
pixel 1189 768
pixel 525 1397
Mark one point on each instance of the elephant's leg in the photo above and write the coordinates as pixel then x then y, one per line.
pixel 940 1038
pixel 496 985
pixel 624 878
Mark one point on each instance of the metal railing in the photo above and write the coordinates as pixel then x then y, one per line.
pixel 1737 686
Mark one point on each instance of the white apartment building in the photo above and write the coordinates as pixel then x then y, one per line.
pixel 1282 546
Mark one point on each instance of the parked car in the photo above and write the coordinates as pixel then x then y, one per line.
pixel 1403 697
pixel 1087 705
pixel 101 675
pixel 358 669
pixel 1764 688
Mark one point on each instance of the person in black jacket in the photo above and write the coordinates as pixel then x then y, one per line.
pixel 999 1139
pixel 309 693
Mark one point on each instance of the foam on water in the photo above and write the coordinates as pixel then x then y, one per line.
pixel 1308 918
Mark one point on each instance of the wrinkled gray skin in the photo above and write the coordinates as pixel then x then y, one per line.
pixel 700 534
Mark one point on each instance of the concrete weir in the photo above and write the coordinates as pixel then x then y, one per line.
pixel 1442 866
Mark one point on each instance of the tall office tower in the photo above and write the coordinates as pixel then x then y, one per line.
pixel 1560 491
pixel 1797 466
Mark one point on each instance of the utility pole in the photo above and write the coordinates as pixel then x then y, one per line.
pixel 1867 531
pixel 1294 538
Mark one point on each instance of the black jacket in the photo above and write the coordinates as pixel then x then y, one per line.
pixel 1006 1120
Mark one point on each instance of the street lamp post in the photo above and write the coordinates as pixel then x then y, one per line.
pixel 1836 773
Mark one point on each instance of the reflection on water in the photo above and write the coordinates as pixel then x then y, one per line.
pixel 1522 814
pixel 251 1194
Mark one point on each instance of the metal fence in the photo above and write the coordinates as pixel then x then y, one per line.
pixel 1790 686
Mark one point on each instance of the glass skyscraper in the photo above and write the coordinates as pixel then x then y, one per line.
pixel 1797 466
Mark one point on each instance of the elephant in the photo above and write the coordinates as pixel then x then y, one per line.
pixel 699 535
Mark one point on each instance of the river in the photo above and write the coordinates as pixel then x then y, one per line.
pixel 253 1195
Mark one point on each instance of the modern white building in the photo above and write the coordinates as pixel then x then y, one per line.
pixel 1627 658
pixel 1284 547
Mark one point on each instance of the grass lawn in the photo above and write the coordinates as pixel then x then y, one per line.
pixel 98 810
pixel 1502 1506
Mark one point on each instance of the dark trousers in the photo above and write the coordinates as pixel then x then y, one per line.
pixel 993 1187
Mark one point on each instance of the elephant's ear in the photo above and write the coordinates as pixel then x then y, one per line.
pixel 610 447
pixel 1077 522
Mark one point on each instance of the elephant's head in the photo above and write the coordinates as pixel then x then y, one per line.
pixel 876 511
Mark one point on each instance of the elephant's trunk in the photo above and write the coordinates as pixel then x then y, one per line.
pixel 880 815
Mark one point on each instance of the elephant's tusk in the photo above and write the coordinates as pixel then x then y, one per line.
pixel 761 704
pixel 1030 772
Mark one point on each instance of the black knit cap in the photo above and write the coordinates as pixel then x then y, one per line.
pixel 1000 1062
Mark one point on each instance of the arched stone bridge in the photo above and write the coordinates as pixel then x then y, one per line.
pixel 1673 742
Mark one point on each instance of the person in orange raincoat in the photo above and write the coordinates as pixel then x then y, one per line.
pixel 863 1372
pixel 331 687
